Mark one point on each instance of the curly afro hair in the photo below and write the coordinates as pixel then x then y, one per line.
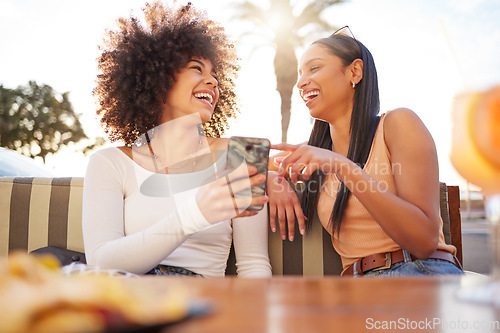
pixel 138 62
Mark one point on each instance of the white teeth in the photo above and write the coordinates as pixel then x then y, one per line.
pixel 204 95
pixel 310 95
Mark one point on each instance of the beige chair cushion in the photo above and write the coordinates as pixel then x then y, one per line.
pixel 38 212
pixel 314 255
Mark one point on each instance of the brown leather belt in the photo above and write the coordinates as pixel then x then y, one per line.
pixel 381 261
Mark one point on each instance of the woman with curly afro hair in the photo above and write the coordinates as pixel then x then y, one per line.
pixel 158 204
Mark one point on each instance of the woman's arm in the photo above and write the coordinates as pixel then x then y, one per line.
pixel 106 244
pixel 250 245
pixel 284 203
pixel 411 216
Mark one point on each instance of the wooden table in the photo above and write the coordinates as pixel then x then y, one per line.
pixel 335 304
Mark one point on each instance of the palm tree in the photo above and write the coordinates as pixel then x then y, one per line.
pixel 286 31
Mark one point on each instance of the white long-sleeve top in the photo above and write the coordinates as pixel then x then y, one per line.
pixel 134 219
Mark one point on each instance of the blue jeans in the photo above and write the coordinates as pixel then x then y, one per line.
pixel 418 267
pixel 172 270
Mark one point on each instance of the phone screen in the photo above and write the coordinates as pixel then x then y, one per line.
pixel 253 151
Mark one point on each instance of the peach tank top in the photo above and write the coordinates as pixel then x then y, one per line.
pixel 360 234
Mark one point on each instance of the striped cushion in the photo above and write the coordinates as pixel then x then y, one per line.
pixel 314 255
pixel 38 212
pixel 309 255
pixel 444 210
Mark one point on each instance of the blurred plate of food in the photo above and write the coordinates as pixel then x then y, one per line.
pixel 37 297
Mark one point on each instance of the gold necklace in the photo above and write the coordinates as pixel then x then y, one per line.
pixel 156 157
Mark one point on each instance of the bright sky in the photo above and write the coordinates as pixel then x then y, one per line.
pixel 426 51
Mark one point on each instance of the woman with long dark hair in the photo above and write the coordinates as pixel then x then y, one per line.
pixel 373 179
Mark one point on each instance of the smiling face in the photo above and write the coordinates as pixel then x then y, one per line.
pixel 325 84
pixel 195 90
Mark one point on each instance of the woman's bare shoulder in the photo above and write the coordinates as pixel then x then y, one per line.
pixel 402 119
pixel 402 126
pixel 400 114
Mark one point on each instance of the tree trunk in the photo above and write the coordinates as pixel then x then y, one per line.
pixel 285 67
pixel 286 105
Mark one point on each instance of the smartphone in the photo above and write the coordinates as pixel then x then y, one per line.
pixel 252 151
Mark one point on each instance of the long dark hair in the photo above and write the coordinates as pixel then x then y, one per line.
pixel 364 122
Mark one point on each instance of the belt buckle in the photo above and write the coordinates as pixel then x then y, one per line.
pixel 388 262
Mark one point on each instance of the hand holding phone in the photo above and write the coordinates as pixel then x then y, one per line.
pixel 251 151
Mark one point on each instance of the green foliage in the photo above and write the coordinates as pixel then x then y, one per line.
pixel 36 121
